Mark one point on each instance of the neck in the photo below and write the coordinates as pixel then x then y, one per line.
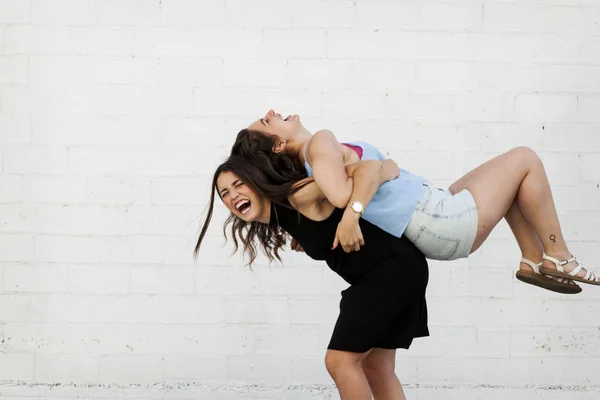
pixel 296 145
pixel 266 217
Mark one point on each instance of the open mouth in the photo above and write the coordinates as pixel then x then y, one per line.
pixel 243 206
pixel 286 118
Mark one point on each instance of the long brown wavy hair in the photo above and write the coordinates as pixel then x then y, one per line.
pixel 251 171
pixel 283 169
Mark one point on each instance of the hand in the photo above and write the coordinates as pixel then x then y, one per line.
pixel 296 246
pixel 348 232
pixel 389 170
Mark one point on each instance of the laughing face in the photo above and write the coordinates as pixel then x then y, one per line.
pixel 282 128
pixel 241 200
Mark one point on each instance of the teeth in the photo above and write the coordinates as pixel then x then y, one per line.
pixel 240 203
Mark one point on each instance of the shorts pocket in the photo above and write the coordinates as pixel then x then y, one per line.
pixel 435 246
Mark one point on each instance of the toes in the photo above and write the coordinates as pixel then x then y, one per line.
pixel 590 276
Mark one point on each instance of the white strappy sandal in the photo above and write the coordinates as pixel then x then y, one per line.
pixel 560 272
pixel 535 277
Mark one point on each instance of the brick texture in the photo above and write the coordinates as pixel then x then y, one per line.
pixel 113 115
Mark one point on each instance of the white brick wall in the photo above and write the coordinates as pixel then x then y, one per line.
pixel 113 115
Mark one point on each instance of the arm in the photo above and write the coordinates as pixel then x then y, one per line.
pixel 335 180
pixel 326 158
pixel 368 176
pixel 311 201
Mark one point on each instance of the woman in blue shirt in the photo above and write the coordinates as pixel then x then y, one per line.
pixel 443 224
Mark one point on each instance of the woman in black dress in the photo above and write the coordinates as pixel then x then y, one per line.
pixel 384 307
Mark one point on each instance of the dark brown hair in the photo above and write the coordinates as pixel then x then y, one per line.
pixel 282 169
pixel 271 237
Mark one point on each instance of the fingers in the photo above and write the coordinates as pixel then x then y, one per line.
pixel 352 246
pixel 296 246
pixel 351 239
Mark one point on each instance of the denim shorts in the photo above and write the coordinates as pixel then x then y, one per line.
pixel 443 226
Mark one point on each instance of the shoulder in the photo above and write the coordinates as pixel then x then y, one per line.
pixel 323 137
pixel 323 134
pixel 310 202
pixel 308 195
pixel 322 142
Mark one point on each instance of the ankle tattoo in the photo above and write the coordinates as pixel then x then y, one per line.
pixel 553 238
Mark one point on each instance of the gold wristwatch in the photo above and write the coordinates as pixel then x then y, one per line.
pixel 357 207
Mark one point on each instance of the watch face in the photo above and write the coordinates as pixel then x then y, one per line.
pixel 358 207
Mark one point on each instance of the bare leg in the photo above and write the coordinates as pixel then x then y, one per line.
pixel 346 370
pixel 528 242
pixel 517 174
pixel 531 249
pixel 379 367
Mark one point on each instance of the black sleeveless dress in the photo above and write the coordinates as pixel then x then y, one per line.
pixel 385 306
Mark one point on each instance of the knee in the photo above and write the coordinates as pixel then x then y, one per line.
pixel 336 362
pixel 378 369
pixel 333 363
pixel 526 154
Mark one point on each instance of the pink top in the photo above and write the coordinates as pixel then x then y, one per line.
pixel 357 149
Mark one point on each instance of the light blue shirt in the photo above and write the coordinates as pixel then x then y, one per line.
pixel 394 202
